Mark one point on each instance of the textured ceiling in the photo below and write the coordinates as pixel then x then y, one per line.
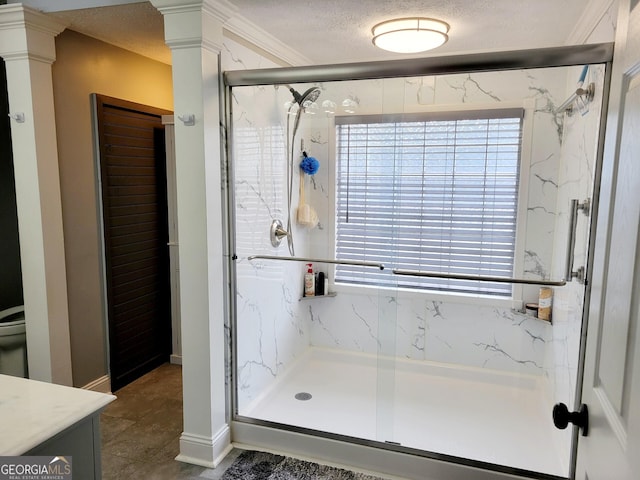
pixel 338 31
pixel 138 27
pixel 335 31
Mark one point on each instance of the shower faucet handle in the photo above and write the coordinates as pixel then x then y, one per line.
pixel 277 233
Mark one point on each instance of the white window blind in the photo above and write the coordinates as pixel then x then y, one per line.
pixel 428 193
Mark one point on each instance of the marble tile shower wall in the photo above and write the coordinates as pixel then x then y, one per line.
pixel 576 181
pixel 458 332
pixel 449 332
pixel 270 331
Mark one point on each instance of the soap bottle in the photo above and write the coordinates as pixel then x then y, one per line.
pixel 309 282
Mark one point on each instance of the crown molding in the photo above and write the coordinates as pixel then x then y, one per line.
pixel 591 15
pixel 255 35
pixel 15 15
pixel 49 6
pixel 221 10
pixel 26 33
pixel 193 23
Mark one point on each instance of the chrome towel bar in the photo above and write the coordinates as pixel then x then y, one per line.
pixel 413 273
pixel 479 278
pixel 317 260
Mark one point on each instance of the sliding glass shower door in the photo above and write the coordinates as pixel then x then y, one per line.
pixel 435 214
pixel 302 358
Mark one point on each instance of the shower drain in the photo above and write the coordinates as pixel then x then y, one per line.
pixel 303 396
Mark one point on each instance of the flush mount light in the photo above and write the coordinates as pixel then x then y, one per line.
pixel 410 35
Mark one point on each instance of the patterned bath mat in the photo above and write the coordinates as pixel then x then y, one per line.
pixel 252 465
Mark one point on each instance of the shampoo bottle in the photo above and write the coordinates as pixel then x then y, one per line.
pixel 319 283
pixel 309 282
pixel 544 303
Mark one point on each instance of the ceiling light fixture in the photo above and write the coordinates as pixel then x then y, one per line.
pixel 410 35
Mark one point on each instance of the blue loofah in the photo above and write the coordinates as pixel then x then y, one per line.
pixel 309 165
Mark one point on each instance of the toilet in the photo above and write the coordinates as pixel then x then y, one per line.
pixel 13 342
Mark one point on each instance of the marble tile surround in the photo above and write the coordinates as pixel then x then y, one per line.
pixel 274 327
pixel 575 181
pixel 416 328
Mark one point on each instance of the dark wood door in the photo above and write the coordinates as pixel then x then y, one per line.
pixel 134 202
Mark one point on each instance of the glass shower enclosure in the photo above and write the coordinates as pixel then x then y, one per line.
pixel 443 210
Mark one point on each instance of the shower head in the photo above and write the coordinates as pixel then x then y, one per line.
pixel 310 95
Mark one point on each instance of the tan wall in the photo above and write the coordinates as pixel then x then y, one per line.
pixel 85 66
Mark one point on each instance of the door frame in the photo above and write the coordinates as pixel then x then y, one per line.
pixel 604 421
pixel 102 261
pixel 591 251
pixel 174 257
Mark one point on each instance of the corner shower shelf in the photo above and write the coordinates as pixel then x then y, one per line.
pixel 330 294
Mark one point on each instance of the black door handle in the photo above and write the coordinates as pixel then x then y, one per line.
pixel 563 417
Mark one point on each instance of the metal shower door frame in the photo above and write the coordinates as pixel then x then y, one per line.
pixel 601 53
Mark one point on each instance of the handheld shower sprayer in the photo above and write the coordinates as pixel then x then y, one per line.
pixel 311 95
pixel 303 100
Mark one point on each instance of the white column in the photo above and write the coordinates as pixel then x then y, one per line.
pixel 193 31
pixel 27 44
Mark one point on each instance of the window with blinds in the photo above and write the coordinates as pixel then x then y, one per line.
pixel 428 192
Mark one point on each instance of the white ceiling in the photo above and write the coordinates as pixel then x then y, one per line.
pixel 338 31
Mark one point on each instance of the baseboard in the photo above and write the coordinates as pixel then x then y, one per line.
pixel 175 359
pixel 205 451
pixel 102 385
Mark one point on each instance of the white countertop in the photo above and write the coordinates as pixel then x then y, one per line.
pixel 32 412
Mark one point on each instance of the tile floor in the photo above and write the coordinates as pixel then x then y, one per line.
pixel 141 431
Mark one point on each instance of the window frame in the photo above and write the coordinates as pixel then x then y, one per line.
pixel 515 301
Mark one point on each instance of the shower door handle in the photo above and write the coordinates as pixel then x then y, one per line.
pixel 578 274
pixel 563 417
